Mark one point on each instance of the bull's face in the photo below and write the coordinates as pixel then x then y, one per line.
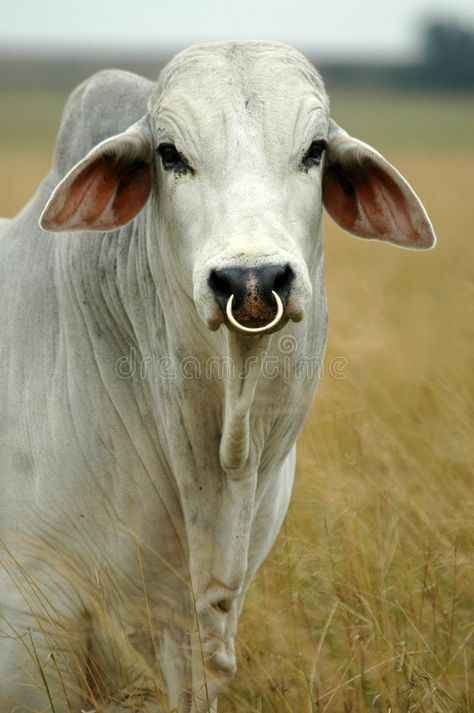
pixel 242 134
pixel 235 160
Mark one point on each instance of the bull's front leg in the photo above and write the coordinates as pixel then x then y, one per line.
pixel 218 533
pixel 248 515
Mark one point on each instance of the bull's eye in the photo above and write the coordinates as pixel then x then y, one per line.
pixel 172 160
pixel 314 154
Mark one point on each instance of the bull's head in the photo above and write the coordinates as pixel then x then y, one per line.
pixel 235 159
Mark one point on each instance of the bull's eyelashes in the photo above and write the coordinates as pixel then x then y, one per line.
pixel 172 160
pixel 314 154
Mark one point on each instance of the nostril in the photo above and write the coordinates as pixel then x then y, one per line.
pixel 230 281
pixel 282 283
pixel 221 287
pixel 219 283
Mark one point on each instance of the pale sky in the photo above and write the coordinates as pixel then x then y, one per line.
pixel 329 27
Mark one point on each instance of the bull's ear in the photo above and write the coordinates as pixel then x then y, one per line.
pixel 369 198
pixel 107 188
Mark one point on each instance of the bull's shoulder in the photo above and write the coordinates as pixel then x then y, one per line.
pixel 103 105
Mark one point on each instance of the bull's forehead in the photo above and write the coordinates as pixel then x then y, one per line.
pixel 222 97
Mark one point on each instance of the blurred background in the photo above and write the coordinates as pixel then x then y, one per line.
pixel 398 73
pixel 412 43
pixel 368 596
pixel 418 44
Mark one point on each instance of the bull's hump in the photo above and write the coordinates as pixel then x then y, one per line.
pixel 102 106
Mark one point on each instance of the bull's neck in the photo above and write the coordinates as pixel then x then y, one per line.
pixel 125 291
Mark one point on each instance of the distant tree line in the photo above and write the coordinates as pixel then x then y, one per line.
pixel 447 61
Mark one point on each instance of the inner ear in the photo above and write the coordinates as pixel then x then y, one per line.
pixel 368 197
pixel 107 188
pixel 366 201
pixel 107 193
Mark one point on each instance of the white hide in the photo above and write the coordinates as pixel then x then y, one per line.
pixel 142 483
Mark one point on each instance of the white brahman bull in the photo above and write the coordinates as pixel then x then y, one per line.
pixel 148 449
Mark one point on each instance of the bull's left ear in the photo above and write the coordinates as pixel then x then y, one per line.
pixel 369 198
pixel 107 188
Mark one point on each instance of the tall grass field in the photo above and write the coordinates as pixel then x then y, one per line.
pixel 366 602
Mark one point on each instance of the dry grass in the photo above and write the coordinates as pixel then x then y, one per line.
pixel 367 600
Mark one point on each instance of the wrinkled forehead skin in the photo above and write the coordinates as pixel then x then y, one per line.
pixel 222 101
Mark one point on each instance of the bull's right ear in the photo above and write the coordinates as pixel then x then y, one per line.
pixel 108 187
